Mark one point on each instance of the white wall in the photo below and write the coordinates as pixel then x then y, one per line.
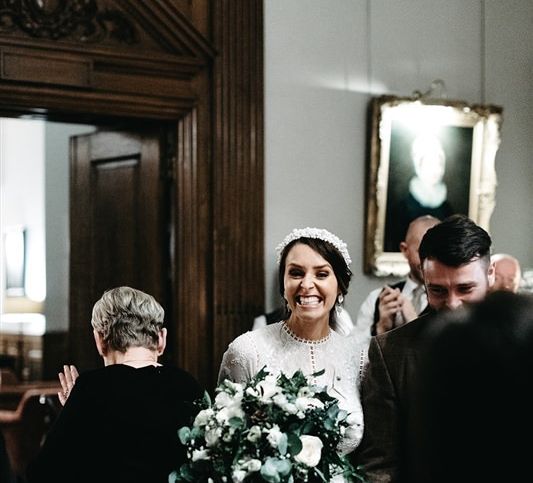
pixel 22 196
pixel 325 59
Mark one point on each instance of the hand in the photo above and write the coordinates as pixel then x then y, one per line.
pixel 408 310
pixel 67 378
pixel 390 303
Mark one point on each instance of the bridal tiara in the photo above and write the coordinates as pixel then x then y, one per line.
pixel 318 233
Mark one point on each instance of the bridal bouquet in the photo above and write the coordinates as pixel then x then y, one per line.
pixel 274 429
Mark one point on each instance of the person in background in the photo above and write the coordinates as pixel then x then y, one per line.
pixel 508 273
pixel 456 267
pixel 394 305
pixel 119 423
pixel 474 394
pixel 314 277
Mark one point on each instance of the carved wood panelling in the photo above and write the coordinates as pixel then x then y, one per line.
pixel 198 67
pixel 238 171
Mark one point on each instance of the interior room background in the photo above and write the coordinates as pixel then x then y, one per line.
pixel 323 62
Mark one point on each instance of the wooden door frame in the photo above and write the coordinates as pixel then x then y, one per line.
pixel 200 69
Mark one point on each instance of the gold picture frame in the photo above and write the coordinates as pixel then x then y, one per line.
pixel 426 156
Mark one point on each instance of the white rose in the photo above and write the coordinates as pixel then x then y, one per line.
pixel 311 450
pixel 202 418
pixel 200 454
pixel 274 436
pixel 238 476
pixel 254 465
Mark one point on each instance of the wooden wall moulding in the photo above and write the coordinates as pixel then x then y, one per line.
pixel 148 54
pixel 196 68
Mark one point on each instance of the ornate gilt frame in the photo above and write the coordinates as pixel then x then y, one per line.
pixel 481 125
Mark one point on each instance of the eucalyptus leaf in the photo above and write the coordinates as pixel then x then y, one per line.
pixel 283 444
pixel 283 466
pixel 295 444
pixel 269 471
pixel 184 434
pixel 236 422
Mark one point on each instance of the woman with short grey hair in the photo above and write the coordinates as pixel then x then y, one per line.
pixel 119 423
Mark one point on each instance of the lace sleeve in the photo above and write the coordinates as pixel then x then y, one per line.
pixel 239 361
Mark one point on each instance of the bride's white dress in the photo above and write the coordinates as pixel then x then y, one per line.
pixel 275 346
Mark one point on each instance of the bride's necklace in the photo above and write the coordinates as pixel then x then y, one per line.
pixel 301 339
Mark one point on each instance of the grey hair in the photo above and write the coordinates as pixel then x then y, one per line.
pixel 126 317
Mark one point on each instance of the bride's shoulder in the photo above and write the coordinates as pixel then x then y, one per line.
pixel 255 339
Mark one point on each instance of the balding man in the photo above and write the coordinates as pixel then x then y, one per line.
pixel 508 273
pixel 392 306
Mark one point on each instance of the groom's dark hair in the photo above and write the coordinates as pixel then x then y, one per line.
pixel 455 241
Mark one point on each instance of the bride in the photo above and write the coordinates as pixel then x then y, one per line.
pixel 314 276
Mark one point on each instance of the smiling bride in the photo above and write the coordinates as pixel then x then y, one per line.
pixel 314 276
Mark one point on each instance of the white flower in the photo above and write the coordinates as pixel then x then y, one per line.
pixel 212 436
pixel 268 388
pixel 200 454
pixel 252 392
pixel 280 400
pixel 290 408
pixel 311 450
pixel 223 399
pixel 254 465
pixel 238 476
pixel 337 479
pixel 225 414
pixel 254 434
pixel 202 418
pixel 274 436
pixel 305 403
pixel 235 386
pixel 305 392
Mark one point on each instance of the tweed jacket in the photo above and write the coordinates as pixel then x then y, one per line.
pixel 388 387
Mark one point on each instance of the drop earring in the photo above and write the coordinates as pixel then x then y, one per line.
pixel 338 304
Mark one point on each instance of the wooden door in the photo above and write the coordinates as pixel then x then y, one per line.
pixel 119 220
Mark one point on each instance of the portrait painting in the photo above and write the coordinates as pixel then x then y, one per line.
pixel 426 158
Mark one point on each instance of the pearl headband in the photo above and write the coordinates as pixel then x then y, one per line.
pixel 319 234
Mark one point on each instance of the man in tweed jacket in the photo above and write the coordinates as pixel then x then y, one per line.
pixel 455 260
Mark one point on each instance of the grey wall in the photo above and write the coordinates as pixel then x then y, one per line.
pixel 57 136
pixel 325 59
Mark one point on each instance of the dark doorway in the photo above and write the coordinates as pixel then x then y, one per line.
pixel 118 225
